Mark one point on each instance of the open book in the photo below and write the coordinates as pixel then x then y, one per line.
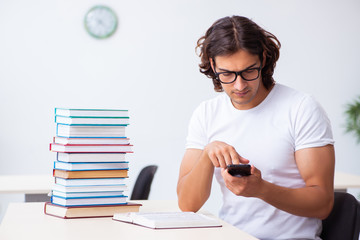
pixel 163 220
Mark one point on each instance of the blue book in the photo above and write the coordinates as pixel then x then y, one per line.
pixel 105 141
pixel 83 131
pixel 86 194
pixel 82 166
pixel 109 200
pixel 92 120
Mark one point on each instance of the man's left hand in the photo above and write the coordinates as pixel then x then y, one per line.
pixel 247 186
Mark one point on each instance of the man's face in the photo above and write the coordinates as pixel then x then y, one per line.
pixel 243 94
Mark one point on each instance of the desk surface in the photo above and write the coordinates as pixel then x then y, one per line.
pixel 28 221
pixel 26 183
pixel 345 180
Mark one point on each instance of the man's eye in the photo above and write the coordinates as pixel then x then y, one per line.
pixel 227 74
pixel 251 70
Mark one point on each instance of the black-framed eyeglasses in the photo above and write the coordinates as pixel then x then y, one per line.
pixel 249 74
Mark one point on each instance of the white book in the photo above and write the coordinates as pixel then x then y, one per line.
pixel 86 194
pixel 168 219
pixel 89 181
pixel 92 120
pixel 73 189
pixel 82 166
pixel 65 141
pixel 91 112
pixel 120 148
pixel 69 131
pixel 90 157
pixel 88 201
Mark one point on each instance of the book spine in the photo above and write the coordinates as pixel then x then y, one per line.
pixel 71 144
pixel 97 197
pixel 97 117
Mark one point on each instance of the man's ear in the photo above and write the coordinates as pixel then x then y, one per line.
pixel 212 64
pixel 264 59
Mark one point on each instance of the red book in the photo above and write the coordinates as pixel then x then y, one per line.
pixel 89 211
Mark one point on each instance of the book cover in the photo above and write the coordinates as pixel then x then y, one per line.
pixel 87 201
pixel 88 112
pixel 65 141
pixel 162 220
pixel 88 211
pixel 92 120
pixel 90 157
pixel 74 189
pixel 91 166
pixel 83 131
pixel 90 174
pixel 87 148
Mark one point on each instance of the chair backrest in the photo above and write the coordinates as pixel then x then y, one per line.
pixel 344 220
pixel 143 182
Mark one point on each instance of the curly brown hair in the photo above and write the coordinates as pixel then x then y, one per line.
pixel 231 34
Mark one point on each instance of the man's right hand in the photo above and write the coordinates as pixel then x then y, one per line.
pixel 196 173
pixel 222 154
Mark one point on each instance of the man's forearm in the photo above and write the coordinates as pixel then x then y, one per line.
pixel 194 188
pixel 310 201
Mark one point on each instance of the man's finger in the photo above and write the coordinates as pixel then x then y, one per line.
pixel 235 158
pixel 221 160
pixel 254 170
pixel 243 160
pixel 214 160
pixel 228 159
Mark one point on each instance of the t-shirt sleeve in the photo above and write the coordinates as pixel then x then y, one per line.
pixel 312 125
pixel 196 137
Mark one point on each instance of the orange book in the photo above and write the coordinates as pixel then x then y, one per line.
pixel 91 174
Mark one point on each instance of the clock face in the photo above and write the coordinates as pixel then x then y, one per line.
pixel 100 22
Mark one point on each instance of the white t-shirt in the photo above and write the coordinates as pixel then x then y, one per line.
pixel 268 135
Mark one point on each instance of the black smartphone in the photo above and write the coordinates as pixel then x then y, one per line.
pixel 239 170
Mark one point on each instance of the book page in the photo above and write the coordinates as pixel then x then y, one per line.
pixel 169 219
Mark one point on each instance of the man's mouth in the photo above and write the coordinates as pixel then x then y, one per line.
pixel 241 93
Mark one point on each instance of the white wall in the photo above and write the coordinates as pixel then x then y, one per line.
pixel 149 66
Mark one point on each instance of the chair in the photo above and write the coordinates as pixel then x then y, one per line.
pixel 143 182
pixel 344 220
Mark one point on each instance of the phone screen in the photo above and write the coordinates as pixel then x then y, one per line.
pixel 239 170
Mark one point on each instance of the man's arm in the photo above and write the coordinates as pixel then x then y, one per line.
pixel 195 178
pixel 316 166
pixel 196 173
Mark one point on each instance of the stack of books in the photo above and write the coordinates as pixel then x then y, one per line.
pixel 90 167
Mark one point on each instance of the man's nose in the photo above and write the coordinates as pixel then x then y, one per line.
pixel 239 83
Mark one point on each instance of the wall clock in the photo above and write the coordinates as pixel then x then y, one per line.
pixel 100 22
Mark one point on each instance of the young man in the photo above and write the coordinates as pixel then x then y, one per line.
pixel 284 134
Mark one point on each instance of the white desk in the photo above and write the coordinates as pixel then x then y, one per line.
pixel 28 221
pixel 35 187
pixel 26 184
pixel 346 180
